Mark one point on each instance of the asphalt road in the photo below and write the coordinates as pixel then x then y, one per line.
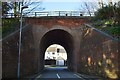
pixel 61 73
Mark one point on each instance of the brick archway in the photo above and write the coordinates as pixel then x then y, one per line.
pixel 61 37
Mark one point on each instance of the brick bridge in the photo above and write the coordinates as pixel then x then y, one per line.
pixel 88 49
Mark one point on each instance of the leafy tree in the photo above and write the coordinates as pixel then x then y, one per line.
pixel 107 19
pixel 104 13
pixel 118 12
pixel 109 12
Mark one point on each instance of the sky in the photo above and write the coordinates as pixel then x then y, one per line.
pixel 65 5
pixel 62 5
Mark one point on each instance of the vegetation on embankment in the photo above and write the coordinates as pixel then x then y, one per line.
pixel 107 19
pixel 108 27
pixel 9 25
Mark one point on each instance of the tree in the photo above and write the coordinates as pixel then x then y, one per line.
pixel 109 12
pixel 89 7
pixel 0 8
pixel 104 13
pixel 118 12
pixel 5 8
pixel 16 7
pixel 33 6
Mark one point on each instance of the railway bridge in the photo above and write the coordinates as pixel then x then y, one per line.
pixel 88 50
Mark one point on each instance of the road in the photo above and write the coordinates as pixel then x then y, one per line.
pixel 61 73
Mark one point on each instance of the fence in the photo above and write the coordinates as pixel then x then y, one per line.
pixel 50 13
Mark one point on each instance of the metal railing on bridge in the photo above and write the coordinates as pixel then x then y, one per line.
pixel 50 13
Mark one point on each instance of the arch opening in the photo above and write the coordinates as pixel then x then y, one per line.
pixel 55 55
pixel 60 37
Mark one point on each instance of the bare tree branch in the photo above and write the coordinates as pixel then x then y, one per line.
pixel 89 7
pixel 32 5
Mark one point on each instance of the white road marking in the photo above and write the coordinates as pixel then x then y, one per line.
pixel 58 76
pixel 38 76
pixel 79 76
pixel 83 75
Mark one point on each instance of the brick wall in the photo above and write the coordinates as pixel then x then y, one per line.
pixel 98 53
pixel 10 45
pixel 51 21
